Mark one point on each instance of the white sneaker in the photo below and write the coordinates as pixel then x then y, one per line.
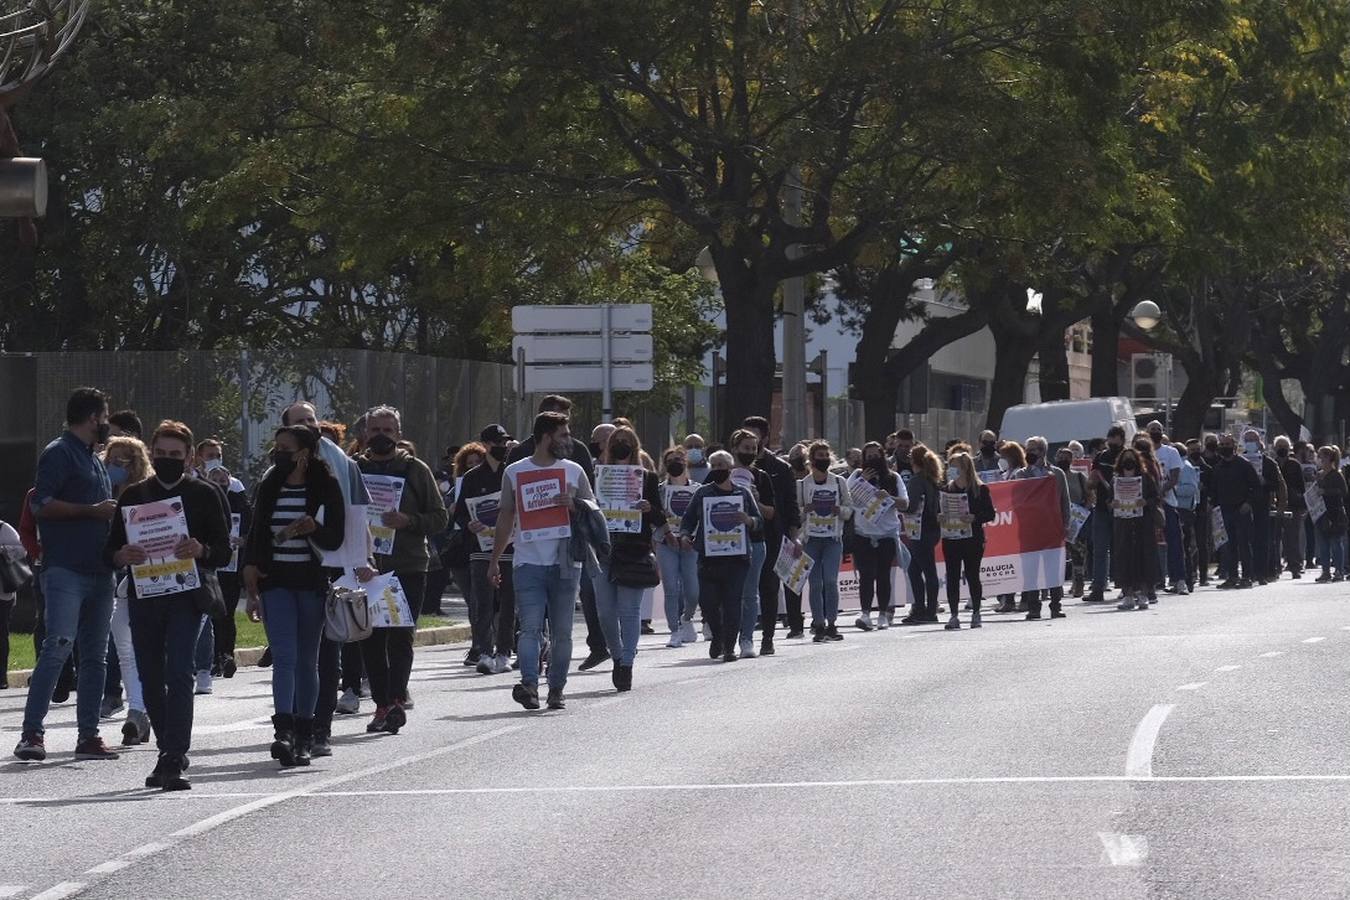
pixel 707 631
pixel 676 641
pixel 883 621
pixel 407 700
pixel 349 704
pixel 748 650
pixel 204 681
pixel 689 634
pixel 864 622
pixel 501 665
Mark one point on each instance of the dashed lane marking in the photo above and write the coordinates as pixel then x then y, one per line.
pixel 1139 759
pixel 1193 686
pixel 1123 849
pixel 1227 668
pixel 1313 640
pixel 1271 655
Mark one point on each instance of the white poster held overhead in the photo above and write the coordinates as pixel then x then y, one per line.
pixel 724 534
pixel 157 528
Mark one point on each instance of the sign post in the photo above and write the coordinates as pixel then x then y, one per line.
pixel 604 348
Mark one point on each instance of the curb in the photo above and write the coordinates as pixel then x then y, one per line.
pixel 249 656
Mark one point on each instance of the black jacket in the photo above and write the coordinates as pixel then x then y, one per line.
pixel 322 492
pixel 787 514
pixel 981 508
pixel 1234 482
pixel 207 521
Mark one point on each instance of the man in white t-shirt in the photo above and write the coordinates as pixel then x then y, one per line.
pixel 546 578
pixel 1173 561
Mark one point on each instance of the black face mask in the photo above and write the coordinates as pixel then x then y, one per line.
pixel 798 465
pixel 719 476
pixel 1227 452
pixel 498 452
pixel 675 468
pixel 747 459
pixel 381 444
pixel 104 432
pixel 595 450
pixel 874 462
pixel 1033 458
pixel 169 471
pixel 1065 464
pixel 1282 453
pixel 987 448
pixel 620 451
pixel 284 462
pixel 821 465
pixel 1196 457
pixel 1128 471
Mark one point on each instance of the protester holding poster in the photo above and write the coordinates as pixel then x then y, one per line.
pixel 1236 487
pixel 1080 510
pixel 679 567
pixel 745 448
pixel 717 525
pixel 825 504
pixel 1135 551
pixel 492 610
pixel 925 500
pixel 1038 466
pixel 419 514
pixel 190 515
pixel 876 536
pixel 299 514
pixel 964 555
pixel 631 568
pixel 1331 527
pixel 535 518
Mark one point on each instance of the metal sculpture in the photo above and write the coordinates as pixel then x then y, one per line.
pixel 33 37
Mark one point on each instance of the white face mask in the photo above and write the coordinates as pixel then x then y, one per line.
pixel 953 473
pixel 1002 464
pixel 1252 448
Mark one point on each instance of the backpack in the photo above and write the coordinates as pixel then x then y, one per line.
pixel 1187 490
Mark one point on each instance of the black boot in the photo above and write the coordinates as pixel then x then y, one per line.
pixel 168 774
pixel 954 623
pixel 975 621
pixel 623 678
pixel 283 740
pixel 304 740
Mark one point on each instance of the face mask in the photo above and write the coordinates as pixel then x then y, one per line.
pixel 118 475
pixel 1282 453
pixel 1127 470
pixel 167 470
pixel 1252 448
pixel 675 468
pixel 1227 452
pixel 595 449
pixel 1196 457
pixel 1113 446
pixel 720 476
pixel 498 453
pixel 620 451
pixel 747 459
pixel 872 462
pixel 284 462
pixel 798 464
pixel 381 444
pixel 1033 458
pixel 1003 464
pixel 104 432
pixel 695 456
pixel 953 473
pixel 820 465
pixel 1064 463
pixel 987 447
pixel 1155 437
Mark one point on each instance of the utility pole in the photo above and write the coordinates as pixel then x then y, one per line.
pixel 794 289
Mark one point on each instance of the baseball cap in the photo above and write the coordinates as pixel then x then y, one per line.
pixel 493 434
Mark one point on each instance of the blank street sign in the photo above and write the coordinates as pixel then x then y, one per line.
pixel 574 377
pixel 547 348
pixel 581 319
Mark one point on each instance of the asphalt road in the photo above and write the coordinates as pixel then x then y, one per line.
pixel 1196 750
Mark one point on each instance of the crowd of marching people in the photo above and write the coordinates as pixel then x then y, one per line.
pixel 142 546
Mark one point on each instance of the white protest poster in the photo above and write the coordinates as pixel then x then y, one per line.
pixel 869 501
pixel 821 500
pixel 236 521
pixel 1129 496
pixel 618 490
pixel 386 491
pixel 955 511
pixel 793 566
pixel 388 603
pixel 484 510
pixel 911 521
pixel 157 528
pixel 1218 530
pixel 677 499
pixel 724 534
pixel 1317 504
pixel 1078 516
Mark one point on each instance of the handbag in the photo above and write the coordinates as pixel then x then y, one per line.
pixel 15 573
pixel 633 566
pixel 346 616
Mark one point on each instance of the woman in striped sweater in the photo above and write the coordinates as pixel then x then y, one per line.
pixel 299 509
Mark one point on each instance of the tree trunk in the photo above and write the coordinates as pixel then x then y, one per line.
pixel 750 353
pixel 1054 373
pixel 872 386
pixel 1012 359
pixel 1105 352
pixel 1202 386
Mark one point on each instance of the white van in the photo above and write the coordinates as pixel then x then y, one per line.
pixel 1061 421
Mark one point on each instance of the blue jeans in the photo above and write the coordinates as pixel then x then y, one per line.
pixel 165 632
pixel 294 623
pixel 750 593
pixel 828 554
pixel 205 652
pixel 1101 550
pixel 78 610
pixel 546 591
pixel 1331 552
pixel 620 611
pixel 679 584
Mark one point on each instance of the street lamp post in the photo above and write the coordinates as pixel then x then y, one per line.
pixel 1147 316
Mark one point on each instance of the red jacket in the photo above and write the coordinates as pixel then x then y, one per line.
pixel 28 532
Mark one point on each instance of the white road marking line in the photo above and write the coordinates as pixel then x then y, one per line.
pixel 1139 759
pixel 60 891
pixel 1345 628
pixel 1123 849
pixel 1271 655
pixel 107 868
pixel 1193 686
pixel 12 890
pixel 228 727
pixel 1313 640
pixel 1227 668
